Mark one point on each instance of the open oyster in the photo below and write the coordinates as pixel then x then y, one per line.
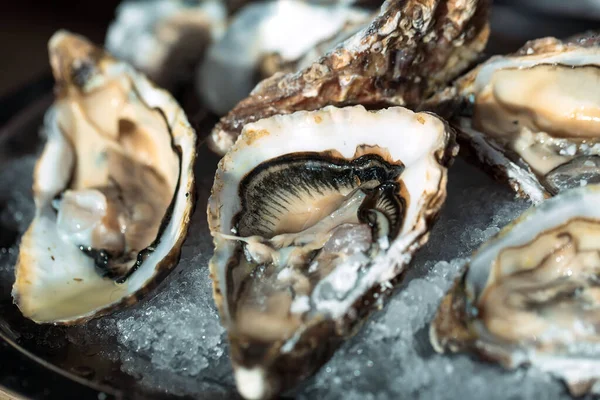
pixel 165 39
pixel 534 116
pixel 113 189
pixel 409 51
pixel 314 215
pixel 531 295
pixel 269 37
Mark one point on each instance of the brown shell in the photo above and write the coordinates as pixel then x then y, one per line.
pixel 412 49
pixel 455 100
pixel 320 338
pixel 454 328
pixel 451 101
pixel 74 59
pixel 449 330
pixel 586 39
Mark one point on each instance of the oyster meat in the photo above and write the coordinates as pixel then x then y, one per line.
pixel 314 216
pixel 113 189
pixel 409 51
pixel 269 37
pixel 531 295
pixel 165 39
pixel 533 117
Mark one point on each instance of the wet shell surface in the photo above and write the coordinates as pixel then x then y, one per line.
pixel 268 37
pixel 531 295
pixel 409 51
pixel 314 216
pixel 165 39
pixel 113 189
pixel 533 117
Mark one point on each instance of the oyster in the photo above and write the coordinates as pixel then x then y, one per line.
pixel 531 295
pixel 314 216
pixel 113 189
pixel 533 117
pixel 269 37
pixel 409 51
pixel 165 39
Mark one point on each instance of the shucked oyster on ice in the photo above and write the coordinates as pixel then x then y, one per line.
pixel 534 116
pixel 314 215
pixel 113 189
pixel 268 37
pixel 165 39
pixel 409 51
pixel 531 295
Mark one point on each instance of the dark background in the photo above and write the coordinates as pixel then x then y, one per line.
pixel 26 26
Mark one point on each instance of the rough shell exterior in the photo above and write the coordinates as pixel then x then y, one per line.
pixel 412 49
pixel 451 101
pixel 72 56
pixel 320 338
pixel 455 100
pixel 458 325
pixel 165 39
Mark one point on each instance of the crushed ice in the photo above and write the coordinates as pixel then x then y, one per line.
pixel 391 357
pixel 16 211
pixel 173 342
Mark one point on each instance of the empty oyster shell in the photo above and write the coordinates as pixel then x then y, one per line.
pixel 165 39
pixel 531 295
pixel 113 189
pixel 410 50
pixel 533 117
pixel 314 215
pixel 264 38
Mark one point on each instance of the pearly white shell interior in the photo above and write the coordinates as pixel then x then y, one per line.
pixel 414 139
pixel 56 282
pixel 579 202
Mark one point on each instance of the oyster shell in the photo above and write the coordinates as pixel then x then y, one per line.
pixel 410 50
pixel 113 189
pixel 269 37
pixel 531 295
pixel 533 117
pixel 314 215
pixel 165 39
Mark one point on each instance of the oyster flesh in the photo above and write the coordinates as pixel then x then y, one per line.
pixel 269 37
pixel 113 189
pixel 314 215
pixel 409 51
pixel 531 295
pixel 165 39
pixel 533 117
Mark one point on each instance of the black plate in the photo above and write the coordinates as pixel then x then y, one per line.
pixel 38 361
pixel 55 367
